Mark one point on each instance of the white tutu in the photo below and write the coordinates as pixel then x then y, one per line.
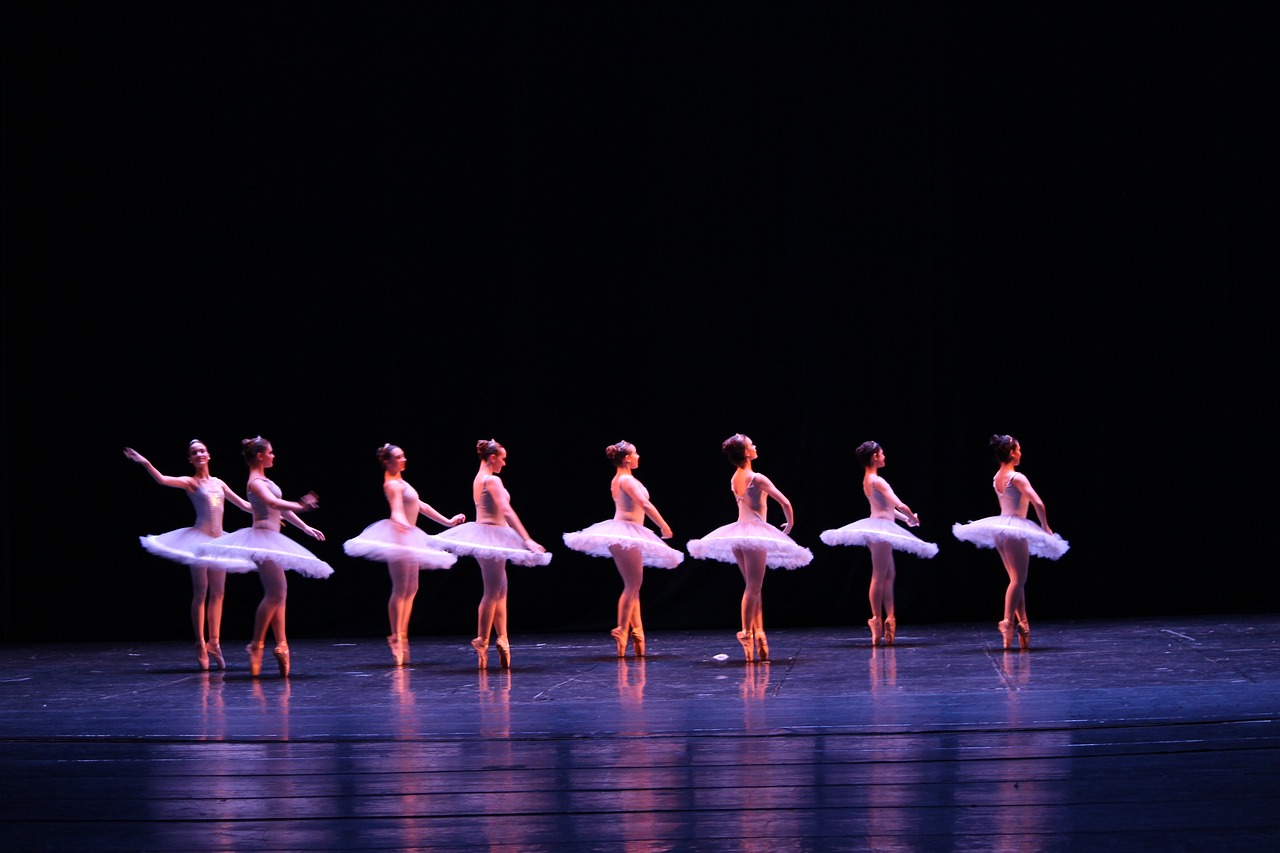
pixel 781 552
pixel 986 532
pixel 180 546
pixel 868 530
pixel 381 541
pixel 473 539
pixel 596 539
pixel 259 545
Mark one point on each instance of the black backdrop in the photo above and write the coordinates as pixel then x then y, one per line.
pixel 561 225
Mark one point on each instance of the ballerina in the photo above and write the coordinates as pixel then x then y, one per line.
pixel 208 574
pixel 882 536
pixel 1014 536
pixel 752 542
pixel 631 545
pixel 496 536
pixel 271 552
pixel 402 545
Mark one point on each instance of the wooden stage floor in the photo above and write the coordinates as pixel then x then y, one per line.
pixel 1151 734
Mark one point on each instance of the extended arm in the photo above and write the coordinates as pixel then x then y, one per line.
pixel 900 510
pixel 289 509
pixel 235 499
pixel 163 479
pixel 430 512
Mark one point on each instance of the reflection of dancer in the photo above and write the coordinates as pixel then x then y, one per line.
pixel 882 536
pixel 493 538
pixel 751 541
pixel 270 550
pixel 625 538
pixel 208 574
pixel 402 545
pixel 1013 535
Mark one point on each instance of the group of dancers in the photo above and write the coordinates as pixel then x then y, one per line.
pixel 497 536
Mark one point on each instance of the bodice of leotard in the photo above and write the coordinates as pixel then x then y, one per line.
pixel 1012 500
pixel 625 506
pixel 409 501
pixel 881 506
pixel 751 501
pixel 265 517
pixel 487 507
pixel 208 502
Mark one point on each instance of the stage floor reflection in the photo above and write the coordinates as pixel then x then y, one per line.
pixel 1105 735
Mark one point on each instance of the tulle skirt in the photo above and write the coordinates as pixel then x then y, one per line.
pixel 781 552
pixel 473 539
pixel 180 546
pixel 258 546
pixel 868 530
pixel 987 532
pixel 596 539
pixel 381 541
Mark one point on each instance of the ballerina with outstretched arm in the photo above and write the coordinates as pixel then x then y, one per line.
pixel 402 545
pixel 208 574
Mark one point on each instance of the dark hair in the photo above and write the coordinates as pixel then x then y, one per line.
pixel 192 443
pixel 384 453
pixel 735 447
pixel 617 453
pixel 1002 446
pixel 486 447
pixel 251 447
pixel 865 451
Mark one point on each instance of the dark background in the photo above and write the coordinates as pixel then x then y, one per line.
pixel 561 225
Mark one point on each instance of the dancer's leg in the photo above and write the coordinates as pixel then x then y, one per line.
pixel 751 563
pixel 492 612
pixel 404 588
pixel 630 565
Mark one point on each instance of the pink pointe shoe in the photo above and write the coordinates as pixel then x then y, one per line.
pixel 762 646
pixel 255 658
pixel 215 654
pixel 620 637
pixel 748 642
pixel 877 630
pixel 281 651
pixel 1006 632
pixel 1024 635
pixel 482 652
pixel 397 655
pixel 504 652
pixel 890 630
pixel 202 656
pixel 637 641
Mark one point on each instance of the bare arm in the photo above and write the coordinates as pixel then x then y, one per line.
pixel 163 479
pixel 767 486
pixel 503 501
pixel 289 509
pixel 292 517
pixel 430 512
pixel 641 497
pixel 235 499
pixel 1025 486
pixel 900 510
